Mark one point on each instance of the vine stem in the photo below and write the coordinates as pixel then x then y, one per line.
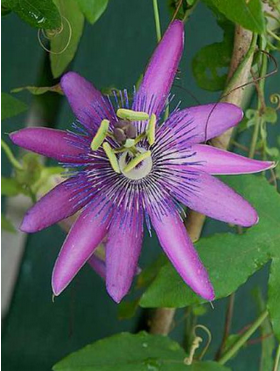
pixel 261 107
pixel 228 321
pixel 255 137
pixel 277 360
pixel 189 12
pixel 157 20
pixel 242 340
pixel 162 321
pixel 239 73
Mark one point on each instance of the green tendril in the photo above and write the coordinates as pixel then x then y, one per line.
pixel 112 157
pixel 134 162
pixel 127 114
pixel 100 135
pixel 17 165
pixel 275 99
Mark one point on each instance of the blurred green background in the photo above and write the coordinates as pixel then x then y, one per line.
pixel 37 332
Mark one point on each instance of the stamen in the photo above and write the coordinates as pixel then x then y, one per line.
pixel 151 129
pixel 112 157
pixel 130 115
pixel 134 162
pixel 100 135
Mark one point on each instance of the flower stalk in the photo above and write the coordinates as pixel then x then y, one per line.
pixel 157 20
pixel 261 106
pixel 242 340
pixel 277 359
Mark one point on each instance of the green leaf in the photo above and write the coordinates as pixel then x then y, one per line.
pixel 38 90
pixel 273 304
pixel 11 106
pixel 93 9
pixel 248 14
pixel 208 66
pixel 127 352
pixel 64 45
pixel 229 258
pixel 37 13
pixel 210 63
pixel 48 179
pixel 148 274
pixel 272 151
pixel 31 170
pixel 4 11
pixel 127 309
pixel 199 310
pixel 7 225
pixel 10 187
pixel 270 115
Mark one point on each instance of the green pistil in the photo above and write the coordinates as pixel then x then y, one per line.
pixel 112 157
pixel 101 134
pixel 151 129
pixel 127 114
pixel 129 143
pixel 136 160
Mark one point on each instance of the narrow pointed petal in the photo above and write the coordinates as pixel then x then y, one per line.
pixel 179 248
pixel 122 251
pixel 98 265
pixel 217 161
pixel 61 202
pixel 200 123
pixel 160 73
pixel 57 144
pixel 209 196
pixel 88 104
pixel 85 235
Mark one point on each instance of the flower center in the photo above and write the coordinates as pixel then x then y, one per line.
pixel 124 133
pixel 141 169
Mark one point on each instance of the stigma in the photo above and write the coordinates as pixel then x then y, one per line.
pixel 137 167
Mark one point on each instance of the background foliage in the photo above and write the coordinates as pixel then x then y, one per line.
pixel 113 53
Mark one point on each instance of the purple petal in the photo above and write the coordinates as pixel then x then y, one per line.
pixel 122 251
pixel 85 235
pixel 160 73
pixel 88 104
pixel 98 265
pixel 209 196
pixel 61 202
pixel 201 123
pixel 217 161
pixel 178 247
pixel 57 144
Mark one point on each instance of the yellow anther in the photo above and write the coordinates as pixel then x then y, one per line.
pixel 136 160
pixel 112 157
pixel 127 114
pixel 151 129
pixel 100 135
pixel 129 143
